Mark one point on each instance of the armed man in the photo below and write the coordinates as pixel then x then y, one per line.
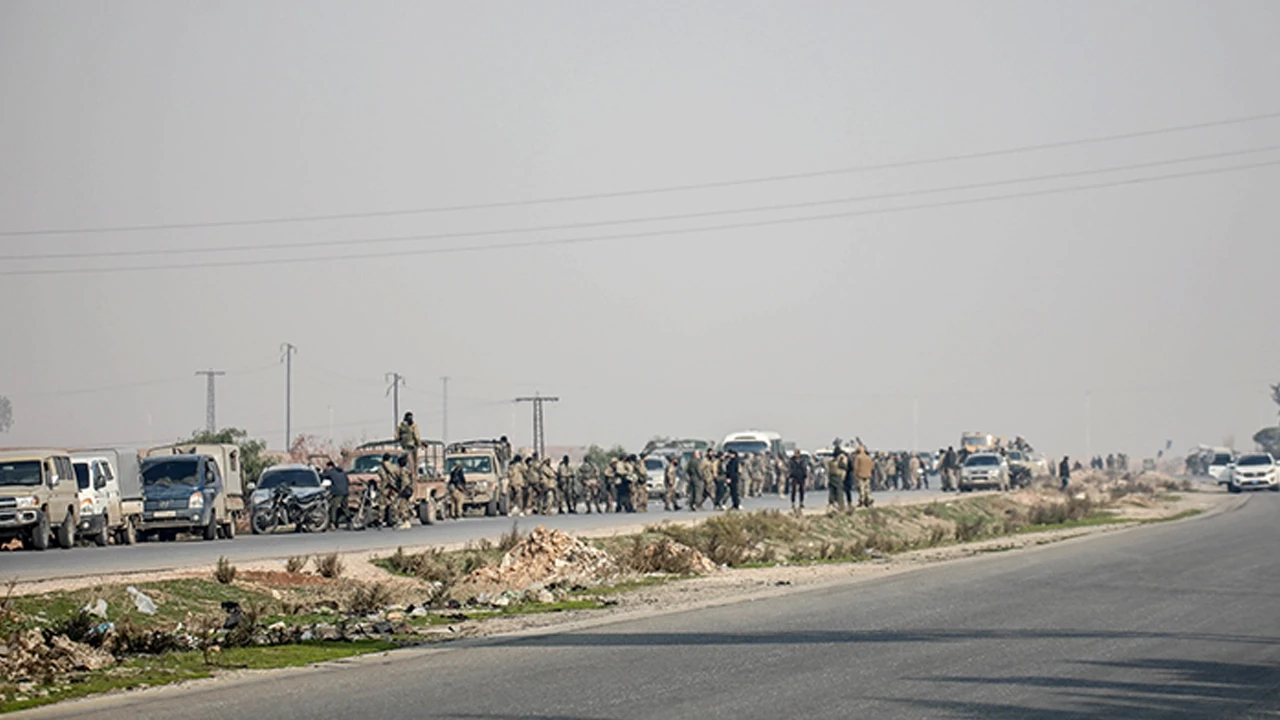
pixel 589 481
pixel 797 476
pixel 863 466
pixel 457 492
pixel 696 483
pixel 837 469
pixel 639 484
pixel 516 482
pixel 547 490
pixel 621 471
pixel 409 439
pixel 570 489
pixel 671 477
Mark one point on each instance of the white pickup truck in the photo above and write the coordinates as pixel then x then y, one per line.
pixel 110 494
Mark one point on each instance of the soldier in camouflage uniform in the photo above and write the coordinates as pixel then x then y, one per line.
pixel 516 481
pixel 671 478
pixel 409 439
pixel 620 470
pixel 639 485
pixel 589 481
pixel 837 468
pixel 570 489
pixel 546 487
pixel 393 478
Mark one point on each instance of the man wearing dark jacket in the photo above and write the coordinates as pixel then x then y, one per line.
pixel 1064 472
pixel 339 492
pixel 797 476
pixel 734 472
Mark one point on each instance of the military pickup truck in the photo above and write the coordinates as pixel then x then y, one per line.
pixel 39 498
pixel 488 487
pixel 427 502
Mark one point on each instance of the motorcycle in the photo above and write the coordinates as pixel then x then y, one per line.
pixel 369 511
pixel 308 513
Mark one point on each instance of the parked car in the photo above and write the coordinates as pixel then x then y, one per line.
pixel 655 467
pixel 1255 471
pixel 1219 467
pixel 39 498
pixel 984 470
pixel 309 492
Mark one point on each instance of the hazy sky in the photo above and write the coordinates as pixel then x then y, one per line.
pixel 1156 300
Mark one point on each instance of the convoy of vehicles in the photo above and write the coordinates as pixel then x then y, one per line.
pixel 39 498
pixel 111 504
pixel 1254 471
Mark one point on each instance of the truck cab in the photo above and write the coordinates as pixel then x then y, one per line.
pixel 39 498
pixel 110 494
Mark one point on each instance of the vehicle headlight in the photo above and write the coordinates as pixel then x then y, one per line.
pixel 29 501
pixel 196 500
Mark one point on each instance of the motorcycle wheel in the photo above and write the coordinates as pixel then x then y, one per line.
pixel 263 523
pixel 316 520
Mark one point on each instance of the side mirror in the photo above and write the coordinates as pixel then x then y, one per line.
pixel 250 486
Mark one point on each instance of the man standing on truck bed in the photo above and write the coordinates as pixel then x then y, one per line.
pixel 409 439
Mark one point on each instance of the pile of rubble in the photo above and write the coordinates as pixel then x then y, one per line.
pixel 30 656
pixel 669 556
pixel 548 559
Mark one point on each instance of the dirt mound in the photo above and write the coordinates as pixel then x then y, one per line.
pixel 669 556
pixel 547 557
pixel 28 656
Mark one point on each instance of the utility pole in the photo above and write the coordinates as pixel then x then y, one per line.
pixel 211 402
pixel 539 432
pixel 397 381
pixel 288 350
pixel 444 421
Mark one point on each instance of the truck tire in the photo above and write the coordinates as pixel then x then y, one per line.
pixel 103 536
pixel 491 508
pixel 229 529
pixel 40 533
pixel 504 505
pixel 67 532
pixel 427 512
pixel 129 534
pixel 211 530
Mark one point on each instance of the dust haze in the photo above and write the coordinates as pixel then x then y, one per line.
pixel 1113 318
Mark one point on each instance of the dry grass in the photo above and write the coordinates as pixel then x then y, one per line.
pixel 296 564
pixel 330 566
pixel 224 572
pixel 369 599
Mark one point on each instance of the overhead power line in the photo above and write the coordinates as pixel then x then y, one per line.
pixel 259 247
pixel 646 234
pixel 646 191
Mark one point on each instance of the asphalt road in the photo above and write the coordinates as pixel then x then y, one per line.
pixel 1166 621
pixel 88 560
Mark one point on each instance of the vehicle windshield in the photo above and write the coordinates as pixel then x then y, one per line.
pixel 982 460
pixel 82 475
pixel 471 465
pixel 20 473
pixel 365 464
pixel 1017 456
pixel 170 472
pixel 653 464
pixel 1254 460
pixel 1221 459
pixel 744 447
pixel 289 478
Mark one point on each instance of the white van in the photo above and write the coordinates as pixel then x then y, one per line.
pixel 754 441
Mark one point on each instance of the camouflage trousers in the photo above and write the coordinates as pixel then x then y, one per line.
pixel 397 507
pixel 864 492
pixel 457 499
pixel 669 499
pixel 640 496
pixel 595 497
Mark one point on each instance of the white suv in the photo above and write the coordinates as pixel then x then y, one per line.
pixel 984 470
pixel 1256 471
